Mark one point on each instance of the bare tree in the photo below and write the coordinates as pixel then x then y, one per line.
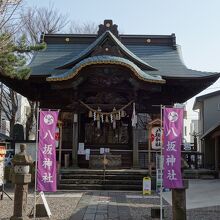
pixel 9 105
pixel 36 21
pixel 31 118
pixel 85 28
pixel 49 21
pixel 9 25
pixel 41 19
pixel 9 18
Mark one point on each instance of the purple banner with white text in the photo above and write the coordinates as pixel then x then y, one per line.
pixel 173 126
pixel 46 172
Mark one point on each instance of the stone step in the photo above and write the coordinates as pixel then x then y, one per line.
pixel 100 172
pixel 107 176
pixel 101 181
pixel 90 179
pixel 200 174
pixel 99 187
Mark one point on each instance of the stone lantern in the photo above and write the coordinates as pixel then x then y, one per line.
pixel 21 178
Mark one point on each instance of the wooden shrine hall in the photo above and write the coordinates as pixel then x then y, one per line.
pixel 98 81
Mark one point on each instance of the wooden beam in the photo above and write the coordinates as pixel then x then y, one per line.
pixel 215 134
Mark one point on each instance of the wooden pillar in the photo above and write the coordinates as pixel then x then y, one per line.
pixel 179 202
pixel 75 141
pixel 217 154
pixel 135 148
pixel 149 152
pixel 60 143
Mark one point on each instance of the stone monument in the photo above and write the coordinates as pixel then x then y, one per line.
pixel 21 178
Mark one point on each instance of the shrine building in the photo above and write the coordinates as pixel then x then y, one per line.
pixel 98 81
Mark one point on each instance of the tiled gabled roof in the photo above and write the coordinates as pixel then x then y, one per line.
pixel 165 58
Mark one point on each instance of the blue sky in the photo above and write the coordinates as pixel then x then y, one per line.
pixel 195 23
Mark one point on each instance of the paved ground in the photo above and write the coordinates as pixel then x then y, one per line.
pixel 101 205
pixel 201 193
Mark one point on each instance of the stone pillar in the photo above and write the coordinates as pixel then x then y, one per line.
pixel 20 199
pixel 75 141
pixel 21 178
pixel 217 154
pixel 179 202
pixel 135 148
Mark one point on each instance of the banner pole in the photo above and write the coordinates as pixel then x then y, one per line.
pixel 161 163
pixel 36 159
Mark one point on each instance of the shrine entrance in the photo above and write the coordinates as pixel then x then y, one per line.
pixel 106 134
pixel 114 136
pixel 118 140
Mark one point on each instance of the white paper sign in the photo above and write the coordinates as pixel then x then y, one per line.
pixel 87 151
pixel 102 150
pixel 81 150
pixel 107 150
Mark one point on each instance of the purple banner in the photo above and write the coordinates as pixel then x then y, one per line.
pixel 46 172
pixel 173 125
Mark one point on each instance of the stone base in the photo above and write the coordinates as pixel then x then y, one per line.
pixel 20 218
pixel 21 178
pixel 155 212
pixel 41 211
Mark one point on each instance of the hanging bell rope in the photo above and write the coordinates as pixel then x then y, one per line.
pixel 95 112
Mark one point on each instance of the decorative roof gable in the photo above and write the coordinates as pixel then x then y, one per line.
pixel 111 60
pixel 107 44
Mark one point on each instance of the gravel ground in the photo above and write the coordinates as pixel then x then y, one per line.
pixel 61 208
pixel 103 205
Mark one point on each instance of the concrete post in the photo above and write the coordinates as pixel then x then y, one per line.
pixel 179 202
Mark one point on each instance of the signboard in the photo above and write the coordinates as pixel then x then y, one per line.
pixel 156 138
pixel 187 147
pixel 1 173
pixel 46 172
pixel 57 136
pixel 87 152
pixel 81 150
pixel 146 185
pixel 2 159
pixel 173 125
pixel 104 150
pixel 45 204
